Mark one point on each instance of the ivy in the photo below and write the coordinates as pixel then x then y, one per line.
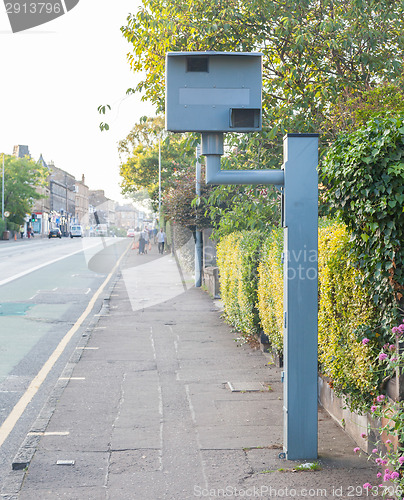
pixel 364 173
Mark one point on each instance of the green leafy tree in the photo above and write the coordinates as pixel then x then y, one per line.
pixel 316 55
pixel 237 208
pixel 312 51
pixel 139 154
pixel 354 110
pixel 179 201
pixel 21 178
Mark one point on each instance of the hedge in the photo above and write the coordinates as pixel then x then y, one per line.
pixel 238 257
pixel 252 293
pixel 270 289
pixel 344 306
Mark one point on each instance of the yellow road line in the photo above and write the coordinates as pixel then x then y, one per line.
pixel 10 422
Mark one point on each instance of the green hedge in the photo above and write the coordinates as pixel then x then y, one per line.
pixel 238 258
pixel 270 289
pixel 251 275
pixel 344 307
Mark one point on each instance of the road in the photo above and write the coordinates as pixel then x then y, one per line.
pixel 50 291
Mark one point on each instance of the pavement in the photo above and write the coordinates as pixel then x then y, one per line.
pixel 162 400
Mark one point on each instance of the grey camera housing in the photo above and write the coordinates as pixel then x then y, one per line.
pixel 213 91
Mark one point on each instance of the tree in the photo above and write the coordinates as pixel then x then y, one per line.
pixel 353 111
pixel 139 154
pixel 316 54
pixel 21 178
pixel 179 201
pixel 313 51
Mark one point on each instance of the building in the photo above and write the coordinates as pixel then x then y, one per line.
pixel 41 209
pixel 126 216
pixel 102 209
pixel 82 204
pixel 20 151
pixel 62 187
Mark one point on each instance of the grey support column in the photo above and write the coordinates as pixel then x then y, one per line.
pixel 300 295
pixel 198 233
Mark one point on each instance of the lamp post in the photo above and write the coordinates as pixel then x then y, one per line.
pixel 198 233
pixel 159 181
pixel 2 193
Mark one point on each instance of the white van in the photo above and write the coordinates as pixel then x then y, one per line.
pixel 76 231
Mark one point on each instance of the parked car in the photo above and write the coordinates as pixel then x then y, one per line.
pixel 130 233
pixel 76 231
pixel 55 233
pixel 101 230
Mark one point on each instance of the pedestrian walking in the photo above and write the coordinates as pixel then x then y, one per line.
pixel 161 239
pixel 142 242
pixel 146 240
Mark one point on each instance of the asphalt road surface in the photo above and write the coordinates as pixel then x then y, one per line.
pixel 50 291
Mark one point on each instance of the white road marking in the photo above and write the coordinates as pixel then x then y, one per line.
pixel 15 414
pixel 40 266
pixel 49 433
pixel 72 378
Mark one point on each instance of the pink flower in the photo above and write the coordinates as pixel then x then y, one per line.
pixel 392 347
pixel 401 460
pixel 366 486
pixel 387 477
pixel 379 474
pixel 388 441
pixel 395 475
pixel 378 460
pixel 365 341
pixel 394 359
pixel 356 450
pixel 363 435
pixel 380 398
pixel 401 328
pixel 373 408
pixel 395 329
pixel 382 356
pixel 374 450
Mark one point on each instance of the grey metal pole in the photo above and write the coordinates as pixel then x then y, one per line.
pixel 2 193
pixel 300 295
pixel 300 219
pixel 159 181
pixel 198 235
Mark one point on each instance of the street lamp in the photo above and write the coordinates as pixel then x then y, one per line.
pixel 2 193
pixel 159 181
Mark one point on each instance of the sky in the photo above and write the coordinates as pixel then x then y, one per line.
pixel 54 77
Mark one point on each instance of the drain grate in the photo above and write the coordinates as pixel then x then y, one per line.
pixel 247 386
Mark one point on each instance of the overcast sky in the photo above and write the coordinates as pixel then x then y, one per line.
pixel 53 78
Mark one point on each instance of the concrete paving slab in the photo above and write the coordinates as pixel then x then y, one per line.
pixel 90 470
pixel 154 418
pixel 84 493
